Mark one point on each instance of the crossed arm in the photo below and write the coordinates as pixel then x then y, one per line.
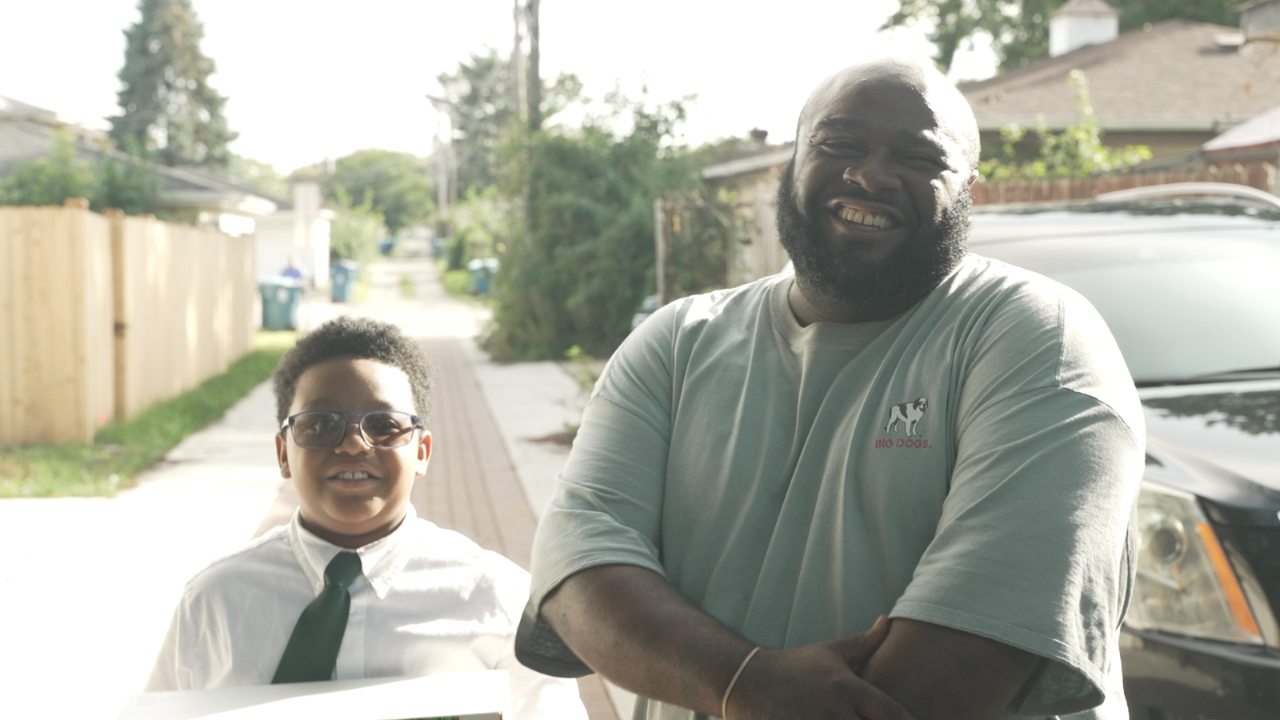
pixel 636 629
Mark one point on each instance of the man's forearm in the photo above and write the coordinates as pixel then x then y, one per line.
pixel 939 673
pixel 634 627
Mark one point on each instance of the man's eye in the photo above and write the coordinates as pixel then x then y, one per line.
pixel 921 162
pixel 841 146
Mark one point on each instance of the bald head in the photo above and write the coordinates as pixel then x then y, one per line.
pixel 951 112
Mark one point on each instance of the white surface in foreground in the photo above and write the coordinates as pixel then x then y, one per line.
pixel 467 695
pixel 87 586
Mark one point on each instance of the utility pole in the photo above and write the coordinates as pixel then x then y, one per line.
pixel 534 89
pixel 518 76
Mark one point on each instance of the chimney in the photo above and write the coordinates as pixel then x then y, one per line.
pixel 1080 23
pixel 1260 20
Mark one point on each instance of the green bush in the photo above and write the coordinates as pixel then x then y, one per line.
pixel 458 283
pixel 356 230
pixel 116 181
pixel 576 269
pixel 458 255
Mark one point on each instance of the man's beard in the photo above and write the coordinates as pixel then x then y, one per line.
pixel 895 282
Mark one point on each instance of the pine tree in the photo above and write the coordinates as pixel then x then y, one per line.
pixel 170 111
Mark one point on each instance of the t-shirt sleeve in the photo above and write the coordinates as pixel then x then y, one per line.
pixel 169 671
pixel 607 505
pixel 1032 548
pixel 534 696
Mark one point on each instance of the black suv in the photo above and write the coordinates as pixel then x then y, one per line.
pixel 1188 278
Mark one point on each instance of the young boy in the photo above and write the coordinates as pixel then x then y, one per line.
pixel 352 402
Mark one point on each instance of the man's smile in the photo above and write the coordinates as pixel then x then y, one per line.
pixel 860 217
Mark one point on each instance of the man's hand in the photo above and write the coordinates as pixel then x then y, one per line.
pixel 635 628
pixel 814 681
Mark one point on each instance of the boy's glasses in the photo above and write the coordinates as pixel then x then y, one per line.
pixel 324 430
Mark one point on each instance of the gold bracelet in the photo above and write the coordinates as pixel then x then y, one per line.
pixel 724 704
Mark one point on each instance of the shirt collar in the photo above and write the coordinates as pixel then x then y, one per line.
pixel 381 561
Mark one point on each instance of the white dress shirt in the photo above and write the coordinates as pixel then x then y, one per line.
pixel 428 601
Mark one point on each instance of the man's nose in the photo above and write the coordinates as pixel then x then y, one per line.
pixel 873 174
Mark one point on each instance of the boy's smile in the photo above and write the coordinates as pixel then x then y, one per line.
pixel 353 494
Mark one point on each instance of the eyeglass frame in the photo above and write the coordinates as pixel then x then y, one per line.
pixel 358 422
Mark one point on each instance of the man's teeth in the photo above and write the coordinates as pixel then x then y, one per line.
pixel 864 218
pixel 353 476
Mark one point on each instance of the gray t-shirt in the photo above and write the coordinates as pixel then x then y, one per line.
pixel 970 463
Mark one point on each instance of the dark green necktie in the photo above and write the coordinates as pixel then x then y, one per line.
pixel 312 651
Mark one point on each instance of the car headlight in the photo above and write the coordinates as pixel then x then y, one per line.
pixel 1187 584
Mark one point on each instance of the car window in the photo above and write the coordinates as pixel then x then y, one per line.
pixel 1180 304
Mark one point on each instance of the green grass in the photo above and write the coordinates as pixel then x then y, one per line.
pixel 406 287
pixel 122 450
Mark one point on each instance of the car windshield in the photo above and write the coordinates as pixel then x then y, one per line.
pixel 1188 301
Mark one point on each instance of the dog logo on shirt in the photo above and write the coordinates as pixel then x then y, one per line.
pixel 908 414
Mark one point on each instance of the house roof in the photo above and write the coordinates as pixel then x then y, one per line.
pixel 1262 129
pixel 25 134
pixel 749 164
pixel 1176 75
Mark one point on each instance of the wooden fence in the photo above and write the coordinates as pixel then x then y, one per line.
pixel 101 317
pixel 1258 174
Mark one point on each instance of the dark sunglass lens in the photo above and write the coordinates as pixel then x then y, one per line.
pixel 387 429
pixel 319 430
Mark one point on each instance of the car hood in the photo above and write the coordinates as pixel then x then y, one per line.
pixel 1220 441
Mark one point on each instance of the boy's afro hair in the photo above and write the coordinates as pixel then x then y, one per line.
pixel 357 338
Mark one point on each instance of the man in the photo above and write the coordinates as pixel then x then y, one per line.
pixel 902 430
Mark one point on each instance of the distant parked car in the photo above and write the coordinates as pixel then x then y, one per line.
pixel 1191 289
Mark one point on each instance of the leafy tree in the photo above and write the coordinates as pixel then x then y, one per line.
pixel 1077 151
pixel 169 109
pixel 576 271
pixel 49 180
pixel 1019 29
pixel 394 184
pixel 480 99
pixel 356 230
pixel 126 182
pixel 258 175
pixel 116 181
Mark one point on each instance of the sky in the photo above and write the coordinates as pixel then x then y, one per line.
pixel 312 80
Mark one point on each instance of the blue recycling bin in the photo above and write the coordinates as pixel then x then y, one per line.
pixel 279 302
pixel 482 272
pixel 342 278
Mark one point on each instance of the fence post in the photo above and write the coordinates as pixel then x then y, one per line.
pixel 115 218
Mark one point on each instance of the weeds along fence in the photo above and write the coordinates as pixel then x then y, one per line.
pixel 102 316
pixel 1258 174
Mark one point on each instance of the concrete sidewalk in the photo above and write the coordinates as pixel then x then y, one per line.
pixel 87 586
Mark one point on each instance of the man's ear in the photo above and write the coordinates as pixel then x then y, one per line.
pixel 973 177
pixel 424 454
pixel 282 455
